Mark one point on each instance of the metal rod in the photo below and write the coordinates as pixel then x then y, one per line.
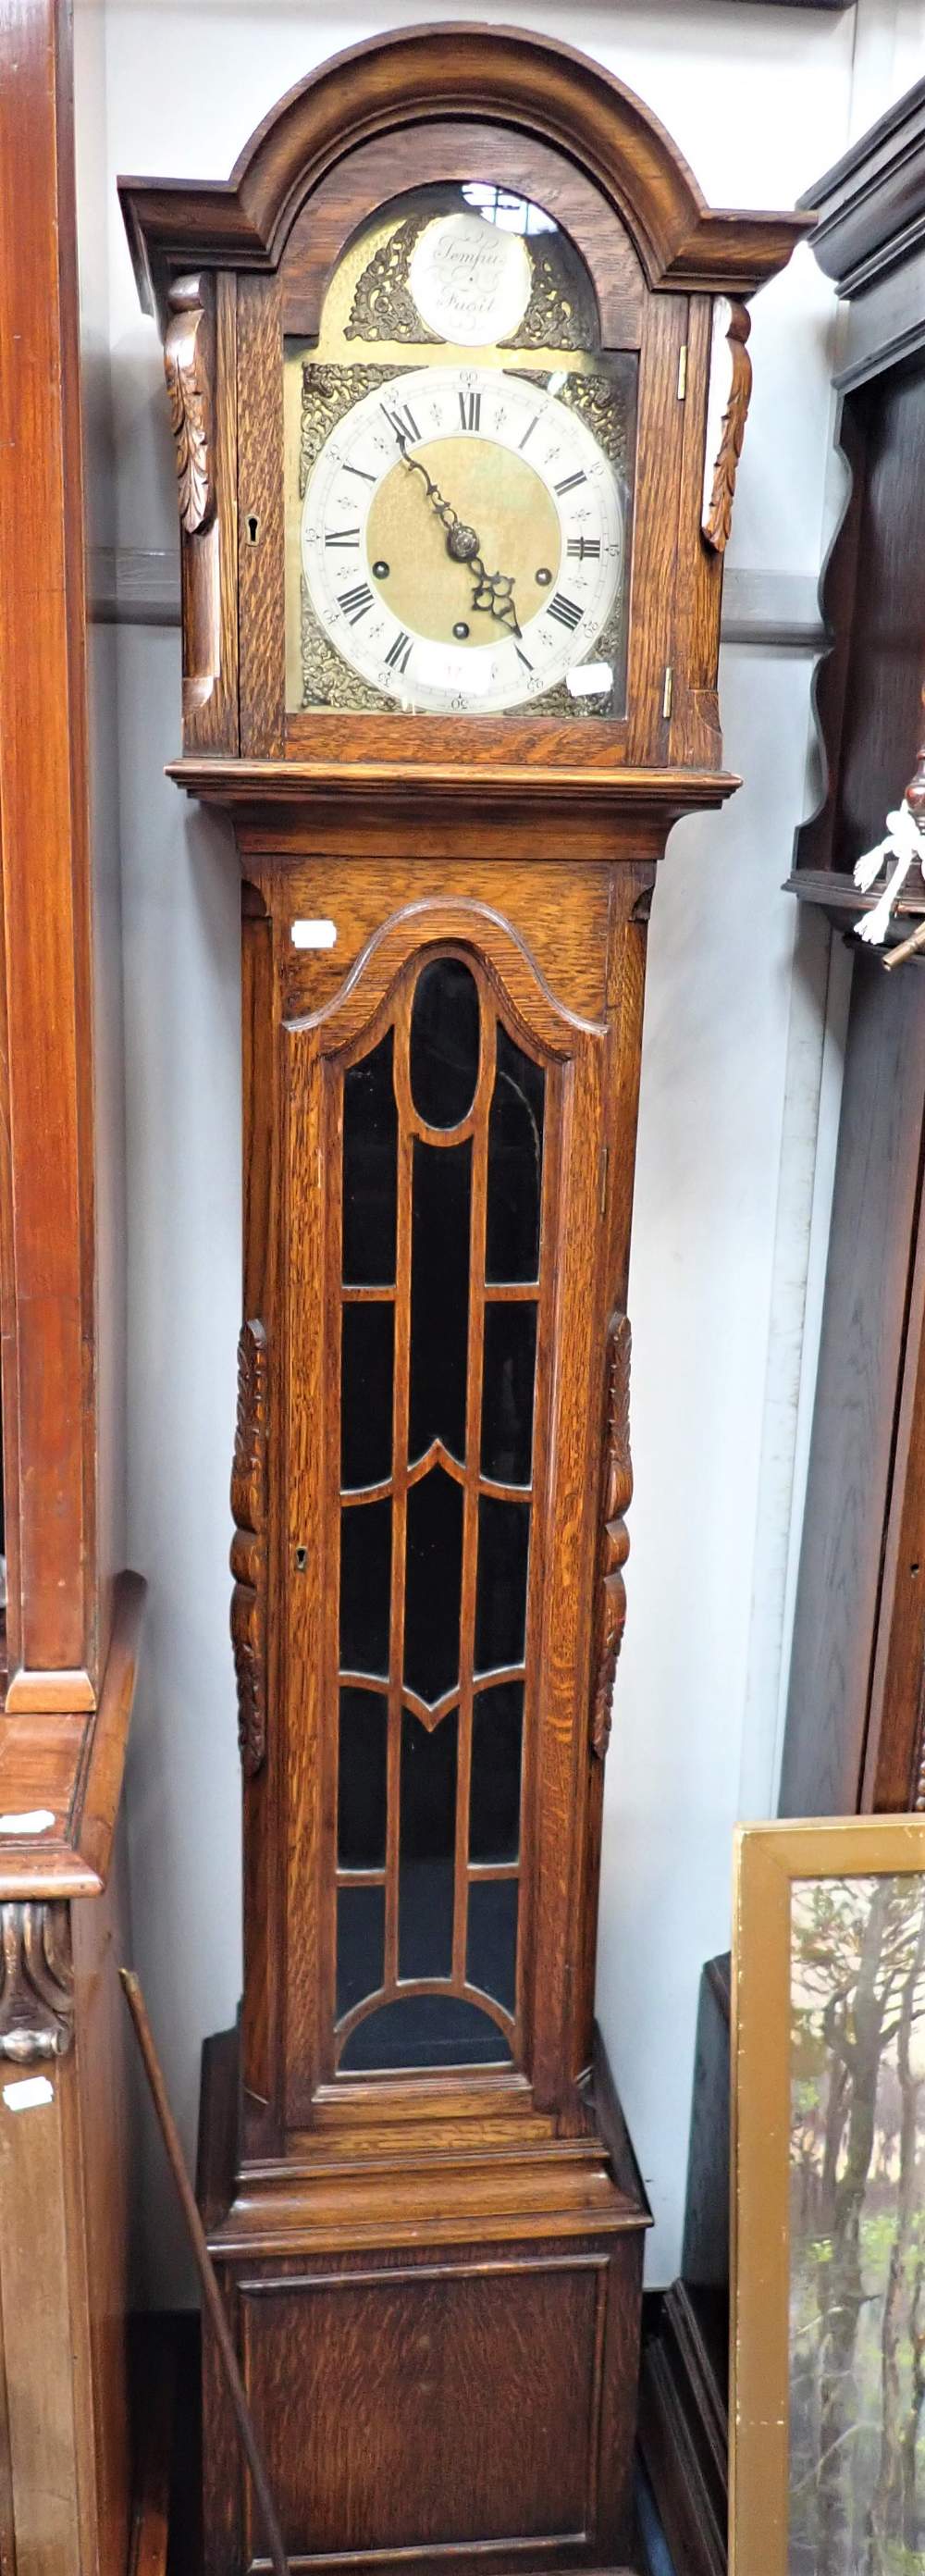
pixel 911 947
pixel 210 2290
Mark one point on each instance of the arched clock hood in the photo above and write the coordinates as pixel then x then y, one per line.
pixel 532 83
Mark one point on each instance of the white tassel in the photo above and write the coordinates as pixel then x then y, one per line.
pixel 867 870
pixel 873 926
pixel 903 842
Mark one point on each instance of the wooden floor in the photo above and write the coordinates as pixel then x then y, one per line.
pixel 167 2539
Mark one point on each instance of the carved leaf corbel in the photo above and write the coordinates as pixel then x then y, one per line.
pixel 186 368
pixel 249 1546
pixel 36 1982
pixel 727 412
pixel 614 1538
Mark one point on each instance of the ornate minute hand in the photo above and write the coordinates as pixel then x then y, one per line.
pixel 493 591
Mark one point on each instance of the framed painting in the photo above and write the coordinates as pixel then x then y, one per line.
pixel 828 2236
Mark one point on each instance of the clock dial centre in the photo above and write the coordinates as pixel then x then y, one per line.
pixel 462 543
pixel 502 517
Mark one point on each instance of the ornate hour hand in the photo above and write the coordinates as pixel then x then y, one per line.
pixel 494 591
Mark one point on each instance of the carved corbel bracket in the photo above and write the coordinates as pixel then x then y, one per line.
pixel 249 1546
pixel 189 359
pixel 614 1538
pixel 187 368
pixel 36 1982
pixel 727 412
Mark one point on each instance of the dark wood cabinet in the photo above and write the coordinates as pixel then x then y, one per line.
pixel 854 1734
pixel 72 1613
pixel 684 2407
pixel 855 1718
pixel 458 398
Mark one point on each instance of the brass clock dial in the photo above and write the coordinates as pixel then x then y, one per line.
pixel 462 540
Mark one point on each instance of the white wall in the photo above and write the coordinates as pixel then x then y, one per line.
pixel 760 99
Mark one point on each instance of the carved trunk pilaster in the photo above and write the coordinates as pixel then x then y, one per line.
pixel 249 1546
pixel 36 1982
pixel 189 368
pixel 614 1541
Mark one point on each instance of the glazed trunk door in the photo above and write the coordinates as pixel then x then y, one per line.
pixel 443 1320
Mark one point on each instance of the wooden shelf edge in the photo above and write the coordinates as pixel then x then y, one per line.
pixel 838 897
pixel 832 886
pixel 100 1803
pixel 31 1692
pixel 234 783
pixel 76 1862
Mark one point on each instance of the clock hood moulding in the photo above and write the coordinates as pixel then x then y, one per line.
pixel 237 272
pixel 515 77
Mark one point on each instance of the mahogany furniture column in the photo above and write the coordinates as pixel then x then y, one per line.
pixel 73 1615
pixel 855 1733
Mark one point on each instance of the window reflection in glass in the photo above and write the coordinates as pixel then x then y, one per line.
pixel 370 1169
pixel 515 1164
pixel 433 1583
pixel 494 1795
pixel 428 1845
pixel 410 1851
pixel 442 1177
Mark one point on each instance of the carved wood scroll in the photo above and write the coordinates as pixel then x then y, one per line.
pixel 727 412
pixel 186 367
pixel 36 1982
pixel 614 1540
pixel 249 1546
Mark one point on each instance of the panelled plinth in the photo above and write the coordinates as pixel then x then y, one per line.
pixel 438 2320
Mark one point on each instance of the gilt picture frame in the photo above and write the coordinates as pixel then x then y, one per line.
pixel 827 2399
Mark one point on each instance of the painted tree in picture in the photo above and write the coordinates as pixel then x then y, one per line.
pixel 857 2228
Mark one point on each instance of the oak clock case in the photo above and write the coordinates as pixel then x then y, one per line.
pixel 458 380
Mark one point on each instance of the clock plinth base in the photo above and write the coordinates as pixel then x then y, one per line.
pixel 441 2349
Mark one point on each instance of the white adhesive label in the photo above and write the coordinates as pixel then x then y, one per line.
pixel 28 2092
pixel 464 675
pixel 314 934
pixel 590 679
pixel 35 1821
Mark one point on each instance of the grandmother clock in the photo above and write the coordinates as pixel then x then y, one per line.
pixel 455 470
